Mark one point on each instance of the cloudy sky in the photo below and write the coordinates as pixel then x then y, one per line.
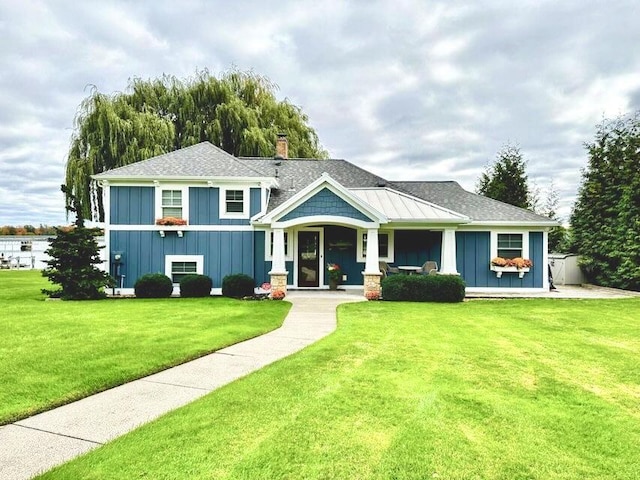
pixel 413 90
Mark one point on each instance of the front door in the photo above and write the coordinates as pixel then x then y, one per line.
pixel 308 259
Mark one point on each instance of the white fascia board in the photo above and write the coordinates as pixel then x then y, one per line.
pixel 269 182
pixel 400 224
pixel 515 224
pixel 324 220
pixel 325 181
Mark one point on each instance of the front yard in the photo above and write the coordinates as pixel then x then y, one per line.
pixel 514 389
pixel 55 352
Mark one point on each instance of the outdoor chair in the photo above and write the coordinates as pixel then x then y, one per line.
pixel 386 269
pixel 429 268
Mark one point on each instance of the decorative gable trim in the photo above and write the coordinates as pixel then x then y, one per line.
pixel 369 216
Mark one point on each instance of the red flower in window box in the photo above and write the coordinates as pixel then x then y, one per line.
pixel 170 221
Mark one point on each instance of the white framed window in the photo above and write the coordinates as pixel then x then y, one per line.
pixel 510 244
pixel 268 245
pixel 385 245
pixel 178 266
pixel 172 201
pixel 234 202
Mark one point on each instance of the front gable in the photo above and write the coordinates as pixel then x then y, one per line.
pixel 325 202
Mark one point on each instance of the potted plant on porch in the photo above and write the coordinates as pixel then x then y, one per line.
pixel 335 275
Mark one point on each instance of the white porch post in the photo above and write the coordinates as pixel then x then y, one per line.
pixel 372 272
pixel 278 273
pixel 372 264
pixel 448 260
pixel 277 263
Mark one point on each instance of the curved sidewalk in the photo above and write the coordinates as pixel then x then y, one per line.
pixel 38 443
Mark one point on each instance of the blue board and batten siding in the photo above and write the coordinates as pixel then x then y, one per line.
pixel 136 206
pixel 224 252
pixel 204 207
pixel 132 205
pixel 473 261
pixel 325 202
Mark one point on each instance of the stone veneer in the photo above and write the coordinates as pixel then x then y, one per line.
pixel 372 283
pixel 279 282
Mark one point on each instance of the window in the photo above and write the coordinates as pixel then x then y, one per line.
pixel 235 201
pixel 171 200
pixel 510 245
pixel 269 246
pixel 385 246
pixel 172 203
pixel 180 269
pixel 177 267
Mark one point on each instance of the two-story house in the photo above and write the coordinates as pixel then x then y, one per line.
pixel 283 220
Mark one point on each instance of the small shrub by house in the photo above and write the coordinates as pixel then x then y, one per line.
pixel 238 286
pixel 195 286
pixel 153 285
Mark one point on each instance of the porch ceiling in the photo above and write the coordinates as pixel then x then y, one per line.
pixel 397 206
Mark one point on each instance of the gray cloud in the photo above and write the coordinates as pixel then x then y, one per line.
pixel 414 90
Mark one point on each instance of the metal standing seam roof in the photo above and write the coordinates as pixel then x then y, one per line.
pixel 397 206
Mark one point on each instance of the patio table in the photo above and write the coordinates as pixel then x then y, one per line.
pixel 409 269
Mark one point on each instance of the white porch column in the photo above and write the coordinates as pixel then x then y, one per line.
pixel 448 260
pixel 278 273
pixel 372 265
pixel 277 262
pixel 371 272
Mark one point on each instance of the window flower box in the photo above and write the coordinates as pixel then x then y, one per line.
pixel 510 265
pixel 171 221
pixel 171 224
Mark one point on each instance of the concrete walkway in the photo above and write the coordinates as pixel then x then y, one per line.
pixel 38 443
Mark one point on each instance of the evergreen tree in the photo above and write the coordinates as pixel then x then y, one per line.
pixel 605 222
pixel 74 255
pixel 556 234
pixel 506 179
pixel 237 112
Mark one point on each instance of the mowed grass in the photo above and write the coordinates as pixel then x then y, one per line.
pixel 53 352
pixel 514 389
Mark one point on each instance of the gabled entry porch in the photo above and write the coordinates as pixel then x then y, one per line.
pixel 328 224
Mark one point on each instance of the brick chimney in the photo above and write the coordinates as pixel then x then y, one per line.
pixel 282 146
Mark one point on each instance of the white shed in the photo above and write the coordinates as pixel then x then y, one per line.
pixel 565 269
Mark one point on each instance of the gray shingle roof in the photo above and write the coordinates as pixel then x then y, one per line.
pixel 200 160
pixel 295 174
pixel 208 161
pixel 480 209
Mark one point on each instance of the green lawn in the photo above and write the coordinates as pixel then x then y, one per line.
pixel 514 389
pixel 52 352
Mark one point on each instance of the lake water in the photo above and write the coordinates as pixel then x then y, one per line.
pixel 28 251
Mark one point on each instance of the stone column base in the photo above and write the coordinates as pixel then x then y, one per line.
pixel 372 284
pixel 278 282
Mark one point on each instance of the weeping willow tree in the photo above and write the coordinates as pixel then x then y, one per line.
pixel 238 112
